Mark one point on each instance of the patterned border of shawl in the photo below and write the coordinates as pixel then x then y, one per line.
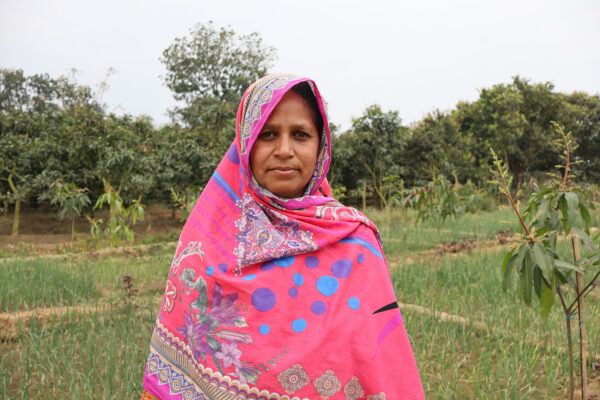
pixel 169 353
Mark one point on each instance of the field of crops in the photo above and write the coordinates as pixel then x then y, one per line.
pixel 70 327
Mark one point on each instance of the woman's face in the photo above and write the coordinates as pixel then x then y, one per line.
pixel 284 155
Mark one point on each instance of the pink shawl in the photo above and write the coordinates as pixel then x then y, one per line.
pixel 271 298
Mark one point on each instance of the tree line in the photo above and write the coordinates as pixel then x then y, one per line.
pixel 56 131
pixel 516 119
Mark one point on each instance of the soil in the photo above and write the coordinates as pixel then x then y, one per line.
pixel 42 232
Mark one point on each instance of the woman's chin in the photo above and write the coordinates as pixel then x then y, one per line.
pixel 285 192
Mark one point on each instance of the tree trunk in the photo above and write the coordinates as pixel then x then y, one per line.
pixel 570 349
pixel 364 196
pixel 519 179
pixel 72 229
pixel 582 338
pixel 15 227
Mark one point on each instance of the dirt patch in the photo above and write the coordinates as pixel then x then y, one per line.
pixel 443 316
pixel 478 247
pixel 42 232
pixel 10 322
pixel 127 251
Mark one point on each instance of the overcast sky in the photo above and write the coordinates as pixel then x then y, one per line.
pixel 411 56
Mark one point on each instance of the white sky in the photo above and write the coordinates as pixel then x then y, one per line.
pixel 411 56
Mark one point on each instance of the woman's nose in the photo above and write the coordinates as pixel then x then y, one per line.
pixel 285 146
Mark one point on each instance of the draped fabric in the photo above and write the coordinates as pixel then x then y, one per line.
pixel 273 298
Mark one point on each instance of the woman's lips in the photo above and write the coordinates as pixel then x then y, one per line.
pixel 283 171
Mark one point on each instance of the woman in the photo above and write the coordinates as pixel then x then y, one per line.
pixel 277 291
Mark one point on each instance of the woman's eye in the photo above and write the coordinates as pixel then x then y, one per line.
pixel 302 135
pixel 267 135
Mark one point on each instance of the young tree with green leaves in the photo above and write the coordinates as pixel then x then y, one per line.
pixel 121 218
pixel 552 212
pixel 70 200
pixel 436 201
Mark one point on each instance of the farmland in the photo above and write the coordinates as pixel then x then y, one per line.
pixel 72 328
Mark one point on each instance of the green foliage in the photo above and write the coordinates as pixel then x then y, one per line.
pixel 580 114
pixel 186 201
pixel 41 94
pixel 372 147
pixel 69 198
pixel 436 201
pixel 185 158
pixel 515 119
pixel 552 211
pixel 54 129
pixel 121 218
pixel 478 198
pixel 435 146
pixel 209 70
pixel 19 189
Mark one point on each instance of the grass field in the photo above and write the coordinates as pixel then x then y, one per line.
pixel 486 345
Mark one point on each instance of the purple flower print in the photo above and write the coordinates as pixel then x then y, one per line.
pixel 245 374
pixel 194 334
pixel 224 309
pixel 241 377
pixel 230 354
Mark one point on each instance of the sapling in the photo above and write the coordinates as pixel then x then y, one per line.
pixel 436 201
pixel 120 219
pixel 70 200
pixel 559 208
pixel 187 201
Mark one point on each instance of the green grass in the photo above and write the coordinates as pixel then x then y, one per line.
pixel 400 233
pixel 49 282
pixel 521 356
pixel 102 355
pixel 521 351
pixel 26 285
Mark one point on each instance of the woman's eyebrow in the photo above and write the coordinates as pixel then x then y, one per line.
pixel 269 126
pixel 297 126
pixel 301 126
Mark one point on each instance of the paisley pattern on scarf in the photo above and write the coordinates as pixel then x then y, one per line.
pixel 267 234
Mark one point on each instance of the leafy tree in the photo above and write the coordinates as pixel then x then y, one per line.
pixel 375 144
pixel 70 200
pixel 20 163
pixel 13 92
pixel 40 93
pixel 580 114
pixel 342 173
pixel 185 159
pixel 436 201
pixel 209 70
pixel 554 210
pixel 121 218
pixel 516 120
pixel 434 145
